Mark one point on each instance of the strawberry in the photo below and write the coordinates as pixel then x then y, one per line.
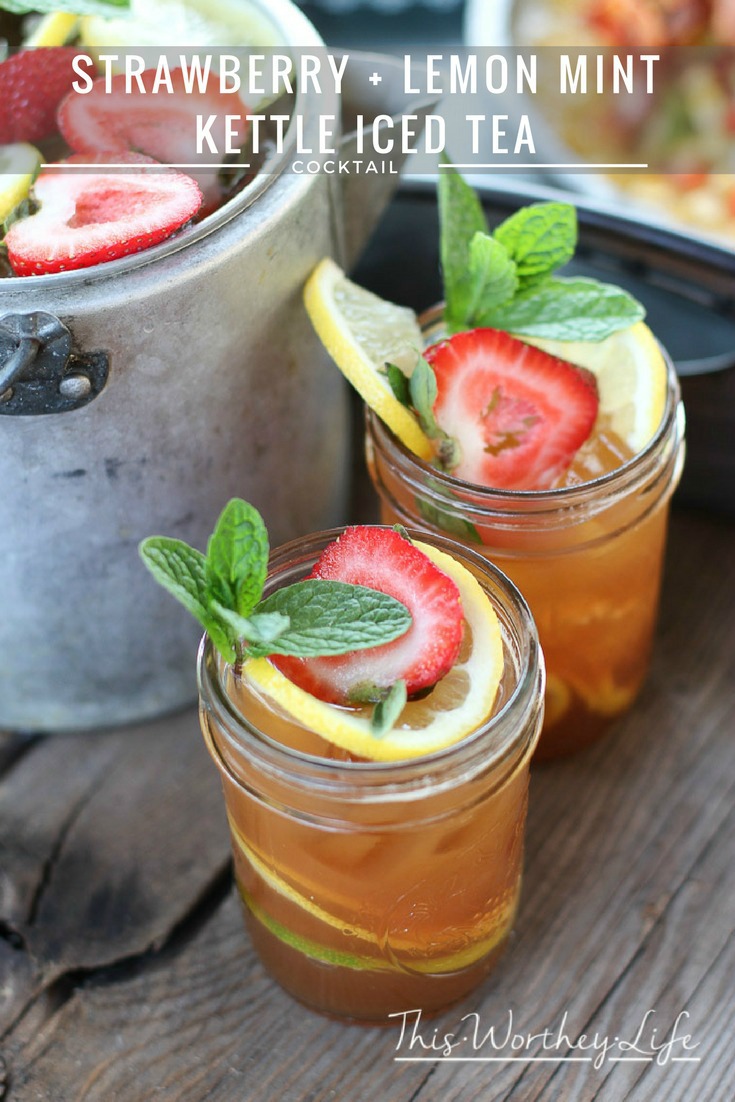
pixel 383 559
pixel 32 83
pixel 88 217
pixel 160 124
pixel 517 413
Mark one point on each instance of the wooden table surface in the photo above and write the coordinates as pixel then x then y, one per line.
pixel 126 976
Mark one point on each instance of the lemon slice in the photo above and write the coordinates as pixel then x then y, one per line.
pixel 361 331
pixel 631 378
pixel 557 700
pixel 491 930
pixel 194 23
pixel 474 685
pixel 53 29
pixel 434 966
pixel 19 165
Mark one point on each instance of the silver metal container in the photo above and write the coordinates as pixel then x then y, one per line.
pixel 171 381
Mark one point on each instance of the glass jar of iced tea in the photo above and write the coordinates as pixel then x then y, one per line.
pixel 371 888
pixel 587 557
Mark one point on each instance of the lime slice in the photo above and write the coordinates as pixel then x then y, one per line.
pixel 492 930
pixel 53 29
pixel 631 378
pixel 19 165
pixel 199 24
pixel 325 954
pixel 361 331
pixel 471 688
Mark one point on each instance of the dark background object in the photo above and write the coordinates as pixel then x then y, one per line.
pixel 687 286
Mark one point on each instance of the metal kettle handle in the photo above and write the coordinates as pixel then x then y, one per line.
pixel 39 371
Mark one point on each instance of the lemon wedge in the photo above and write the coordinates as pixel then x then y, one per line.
pixel 631 378
pixel 441 719
pixel 361 331
pixel 19 165
pixel 181 23
pixel 53 29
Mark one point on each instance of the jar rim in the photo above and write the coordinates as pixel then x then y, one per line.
pixel 470 754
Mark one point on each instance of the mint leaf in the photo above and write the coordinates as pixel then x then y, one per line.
pixel 460 217
pixel 387 711
pixel 568 310
pixel 448 522
pixel 79 7
pixel 539 238
pixel 237 557
pixel 492 278
pixel 182 571
pixel 260 629
pixel 398 382
pixel 330 617
pixel 422 389
pixel 222 590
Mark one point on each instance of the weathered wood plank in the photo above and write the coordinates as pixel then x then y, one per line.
pixel 107 843
pixel 629 905
pixel 202 1023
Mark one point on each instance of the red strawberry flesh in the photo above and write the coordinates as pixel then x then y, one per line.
pixel 518 414
pixel 32 83
pixel 383 559
pixel 158 123
pixel 89 216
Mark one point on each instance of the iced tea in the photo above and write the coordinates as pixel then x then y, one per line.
pixel 371 888
pixel 587 555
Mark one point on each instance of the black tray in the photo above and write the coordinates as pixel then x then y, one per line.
pixel 686 284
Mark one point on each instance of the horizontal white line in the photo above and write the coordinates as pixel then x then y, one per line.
pixel 536 1059
pixel 144 164
pixel 576 164
pixel 493 1059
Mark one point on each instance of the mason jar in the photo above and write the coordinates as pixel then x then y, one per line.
pixel 588 559
pixel 371 888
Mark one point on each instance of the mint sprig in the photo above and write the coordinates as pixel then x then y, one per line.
pixel 79 7
pixel 506 279
pixel 418 392
pixel 223 590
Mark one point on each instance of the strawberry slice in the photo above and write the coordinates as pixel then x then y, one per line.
pixel 160 123
pixel 87 217
pixel 383 559
pixel 32 83
pixel 517 413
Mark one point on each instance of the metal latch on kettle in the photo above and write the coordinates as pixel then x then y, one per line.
pixel 39 370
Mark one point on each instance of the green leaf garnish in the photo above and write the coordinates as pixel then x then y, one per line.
pixel 569 310
pixel 460 217
pixel 237 557
pixel 398 382
pixel 539 238
pixel 447 522
pixel 331 617
pixel 223 591
pixel 423 390
pixel 182 570
pixel 493 277
pixel 77 7
pixel 507 280
pixel 386 711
